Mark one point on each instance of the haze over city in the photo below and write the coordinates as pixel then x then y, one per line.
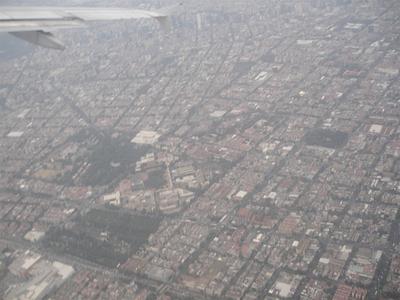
pixel 203 150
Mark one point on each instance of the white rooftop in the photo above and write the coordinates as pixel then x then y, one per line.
pixel 15 134
pixel 146 137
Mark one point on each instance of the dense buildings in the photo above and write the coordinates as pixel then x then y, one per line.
pixel 251 153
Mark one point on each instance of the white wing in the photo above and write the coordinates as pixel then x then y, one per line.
pixel 33 23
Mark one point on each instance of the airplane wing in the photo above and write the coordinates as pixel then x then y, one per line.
pixel 33 24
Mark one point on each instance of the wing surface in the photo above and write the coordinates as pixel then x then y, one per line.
pixel 33 24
